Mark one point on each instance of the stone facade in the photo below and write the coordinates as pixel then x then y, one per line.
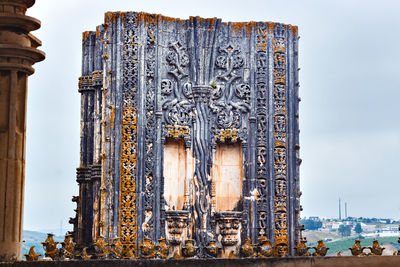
pixel 18 52
pixel 189 130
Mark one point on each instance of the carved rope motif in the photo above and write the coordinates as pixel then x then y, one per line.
pixel 280 141
pixel 128 164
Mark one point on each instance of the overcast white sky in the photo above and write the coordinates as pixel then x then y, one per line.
pixel 349 113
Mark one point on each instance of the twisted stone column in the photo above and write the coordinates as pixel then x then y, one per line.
pixel 17 55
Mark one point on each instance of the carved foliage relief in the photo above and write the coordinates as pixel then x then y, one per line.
pixel 177 99
pixel 230 97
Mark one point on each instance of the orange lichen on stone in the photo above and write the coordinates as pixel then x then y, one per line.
pixel 271 27
pixel 295 30
pixel 148 18
pixel 112 117
pixel 85 35
pixel 98 31
pixel 237 26
pixel 110 17
pixel 203 21
pixel 122 16
pixel 250 25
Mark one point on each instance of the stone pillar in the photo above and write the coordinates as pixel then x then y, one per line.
pixel 17 55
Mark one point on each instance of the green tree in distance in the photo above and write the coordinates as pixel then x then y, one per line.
pixel 311 224
pixel 344 230
pixel 358 229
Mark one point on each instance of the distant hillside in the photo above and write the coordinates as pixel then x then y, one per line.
pixel 32 238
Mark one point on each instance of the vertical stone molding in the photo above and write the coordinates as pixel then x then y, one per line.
pixel 17 55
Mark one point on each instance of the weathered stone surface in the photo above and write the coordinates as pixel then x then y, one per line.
pixel 227 174
pixel 17 55
pixel 227 93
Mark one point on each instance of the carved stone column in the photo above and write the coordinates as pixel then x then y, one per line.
pixel 17 55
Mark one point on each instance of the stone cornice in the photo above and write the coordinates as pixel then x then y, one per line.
pixel 19 58
pixel 22 3
pixel 20 22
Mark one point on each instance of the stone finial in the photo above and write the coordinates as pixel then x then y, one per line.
pixel 147 249
pixel 32 256
pixel 264 248
pixel 302 249
pixel 117 248
pixel 101 248
pixel 189 250
pixel 248 249
pixel 376 249
pixel 163 249
pixel 320 249
pixel 50 247
pixel 212 249
pixel 356 249
pixel 68 248
pixel 85 255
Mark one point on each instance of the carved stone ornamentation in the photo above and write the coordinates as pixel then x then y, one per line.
pixel 147 249
pixel 178 101
pixel 280 141
pixel 376 249
pixel 248 250
pixel 50 247
pixel 229 224
pixel 68 248
pixel 230 92
pixel 321 249
pixel 189 249
pixel 150 106
pixel 176 225
pixel 32 255
pixel 229 65
pixel 128 164
pixel 163 249
pixel 101 248
pixel 264 248
pixel 302 249
pixel 117 249
pixel 356 249
pixel 212 249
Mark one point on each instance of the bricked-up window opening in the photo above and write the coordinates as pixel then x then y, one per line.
pixel 227 174
pixel 174 173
